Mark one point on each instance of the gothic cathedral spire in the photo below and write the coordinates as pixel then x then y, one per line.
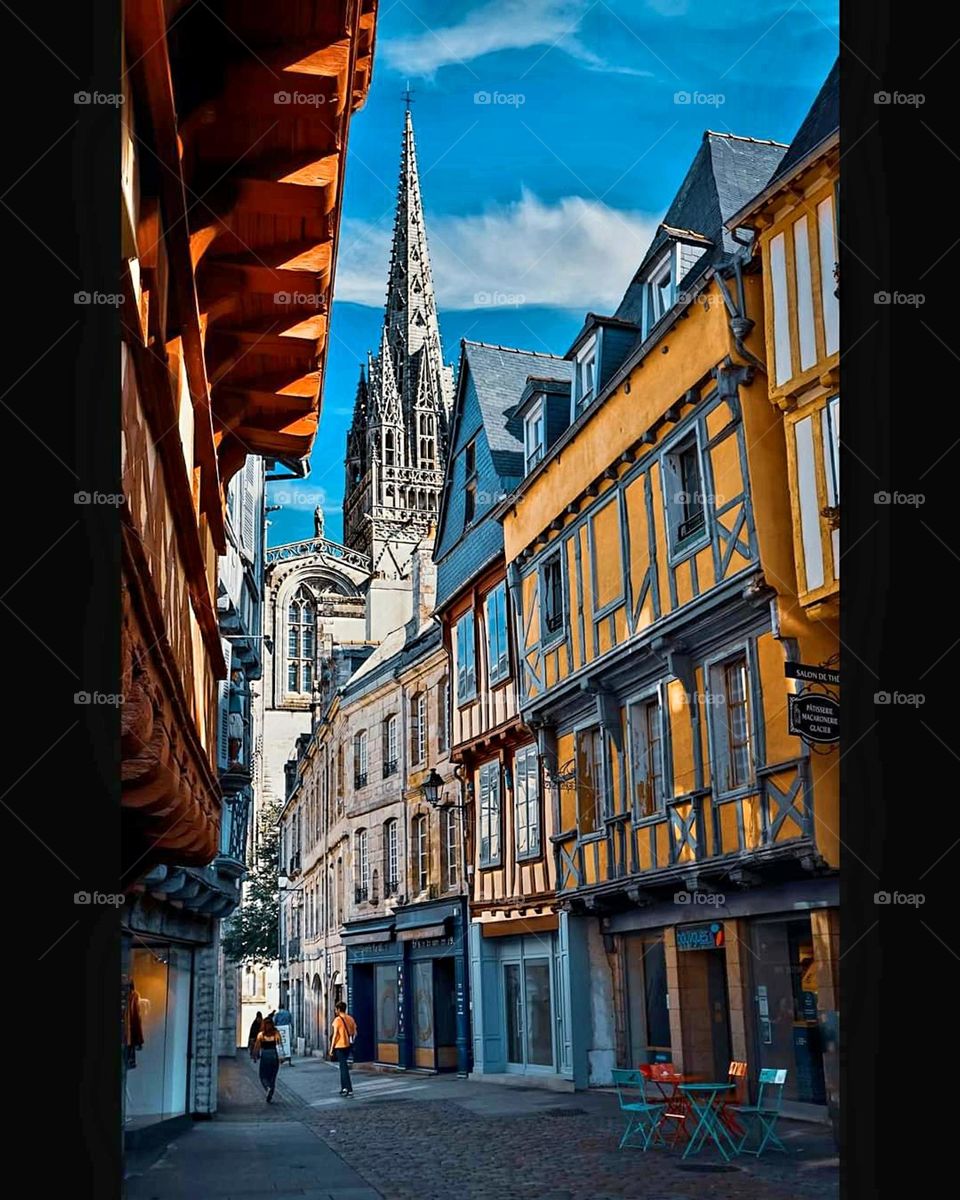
pixel 396 447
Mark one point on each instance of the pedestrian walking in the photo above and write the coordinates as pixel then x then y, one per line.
pixel 266 1050
pixel 254 1030
pixel 342 1037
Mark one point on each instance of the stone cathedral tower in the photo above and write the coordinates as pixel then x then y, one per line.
pixel 396 447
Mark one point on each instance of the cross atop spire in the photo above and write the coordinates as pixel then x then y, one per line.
pixel 407 97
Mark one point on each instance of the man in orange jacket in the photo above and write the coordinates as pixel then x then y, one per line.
pixel 341 1039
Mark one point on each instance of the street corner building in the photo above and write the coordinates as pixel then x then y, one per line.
pixel 231 197
pixel 671 563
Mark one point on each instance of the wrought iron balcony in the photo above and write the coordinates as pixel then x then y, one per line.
pixel 360 894
pixel 390 887
pixel 390 766
pixel 360 780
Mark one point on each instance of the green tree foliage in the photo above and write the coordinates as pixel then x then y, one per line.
pixel 250 935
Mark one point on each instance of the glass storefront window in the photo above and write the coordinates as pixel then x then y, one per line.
pixel 785 1006
pixel 386 985
pixel 537 997
pixel 156 1078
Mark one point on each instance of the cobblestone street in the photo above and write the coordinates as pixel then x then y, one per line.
pixel 431 1138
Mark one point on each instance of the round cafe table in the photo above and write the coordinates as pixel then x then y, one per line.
pixel 703 1102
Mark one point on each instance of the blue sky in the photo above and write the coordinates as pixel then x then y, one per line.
pixel 551 135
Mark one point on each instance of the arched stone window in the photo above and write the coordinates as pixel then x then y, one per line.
pixel 301 641
pixel 390 448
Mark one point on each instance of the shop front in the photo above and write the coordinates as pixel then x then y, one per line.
pixel 645 984
pixel 406 981
pixel 156 996
pixel 517 988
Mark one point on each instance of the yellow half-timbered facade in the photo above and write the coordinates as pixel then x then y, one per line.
pixel 653 580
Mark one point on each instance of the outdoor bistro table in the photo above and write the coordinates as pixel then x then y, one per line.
pixel 703 1102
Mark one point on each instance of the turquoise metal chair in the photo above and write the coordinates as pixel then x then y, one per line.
pixel 643 1117
pixel 764 1114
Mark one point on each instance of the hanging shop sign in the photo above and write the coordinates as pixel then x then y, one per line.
pixel 700 937
pixel 814 717
pixel 807 673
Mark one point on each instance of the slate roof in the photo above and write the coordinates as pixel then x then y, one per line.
pixel 727 172
pixel 499 376
pixel 821 121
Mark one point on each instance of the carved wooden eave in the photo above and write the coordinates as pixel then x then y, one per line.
pixel 250 109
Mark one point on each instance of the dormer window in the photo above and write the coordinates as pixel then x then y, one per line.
pixel 585 386
pixel 661 291
pixel 534 435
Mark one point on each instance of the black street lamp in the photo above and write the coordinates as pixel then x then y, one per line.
pixel 432 789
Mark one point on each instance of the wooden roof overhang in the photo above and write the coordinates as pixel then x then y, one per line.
pixel 250 107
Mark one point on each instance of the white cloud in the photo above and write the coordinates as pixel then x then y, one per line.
pixel 577 254
pixel 500 25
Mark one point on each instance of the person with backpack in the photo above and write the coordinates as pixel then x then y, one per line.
pixel 342 1037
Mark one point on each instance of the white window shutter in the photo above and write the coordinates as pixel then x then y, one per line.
pixel 223 709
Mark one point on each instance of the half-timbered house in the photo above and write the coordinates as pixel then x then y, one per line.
pixel 650 556
pixel 518 983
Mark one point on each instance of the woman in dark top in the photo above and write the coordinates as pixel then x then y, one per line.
pixel 254 1030
pixel 266 1049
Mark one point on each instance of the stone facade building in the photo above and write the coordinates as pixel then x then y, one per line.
pixel 373 908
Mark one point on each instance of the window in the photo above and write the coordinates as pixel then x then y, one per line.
pixel 490 814
pixel 498 653
pixel 591 779
pixel 683 491
pixel 646 747
pixel 586 377
pixel 534 436
pixel 470 482
pixel 421 858
pixel 466 658
pixel 391 746
pixel 827 244
pixel 732 724
pixel 551 584
pixel 390 448
pixel 782 352
pixel 391 858
pixel 660 291
pixel 301 642
pixel 361 866
pixel 450 846
pixel 526 791
pixel 418 728
pixel 360 759
pixel 443 715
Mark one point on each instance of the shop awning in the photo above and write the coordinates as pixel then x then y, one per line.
pixel 364 939
pixel 421 931
pixel 427 915
pixel 518 926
